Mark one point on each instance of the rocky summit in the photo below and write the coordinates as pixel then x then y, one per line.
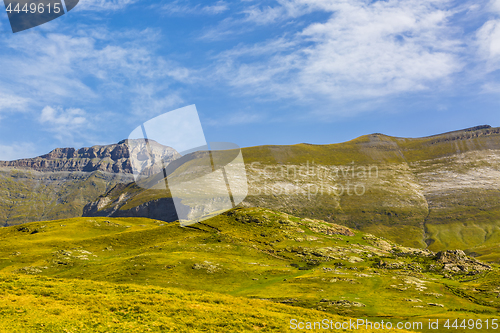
pixel 110 158
pixel 114 158
pixel 59 184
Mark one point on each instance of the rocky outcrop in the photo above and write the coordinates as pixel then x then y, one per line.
pixel 332 229
pixel 59 184
pixel 110 158
pixel 456 261
pixel 113 158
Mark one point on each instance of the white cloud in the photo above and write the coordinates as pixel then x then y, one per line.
pixel 495 6
pixel 184 8
pixel 491 87
pixel 284 10
pixel 488 39
pixel 91 70
pixel 365 49
pixel 16 151
pixel 11 102
pixel 154 100
pixel 69 126
pixel 58 117
pixel 217 8
pixel 103 5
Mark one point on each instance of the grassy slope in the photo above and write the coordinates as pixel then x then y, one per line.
pixel 396 204
pixel 254 253
pixel 40 304
pixel 27 196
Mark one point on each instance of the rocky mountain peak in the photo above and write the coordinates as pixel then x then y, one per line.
pixel 112 158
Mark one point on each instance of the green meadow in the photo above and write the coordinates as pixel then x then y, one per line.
pixel 246 270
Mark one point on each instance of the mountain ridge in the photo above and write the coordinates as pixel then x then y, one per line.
pixel 109 158
pixel 115 157
pixel 422 188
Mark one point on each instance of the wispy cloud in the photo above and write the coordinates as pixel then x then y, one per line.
pixel 64 124
pixel 488 38
pixel 11 102
pixel 283 10
pixel 364 50
pixel 58 117
pixel 103 5
pixel 185 7
pixel 153 100
pixel 92 70
pixel 250 15
pixel 16 151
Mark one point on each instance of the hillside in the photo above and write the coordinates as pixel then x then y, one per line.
pixel 40 304
pixel 441 192
pixel 257 254
pixel 27 195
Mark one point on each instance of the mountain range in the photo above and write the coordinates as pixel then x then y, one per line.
pixel 439 192
pixel 378 229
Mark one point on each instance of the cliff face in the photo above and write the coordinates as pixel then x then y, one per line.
pixel 112 158
pixel 27 195
pixel 59 184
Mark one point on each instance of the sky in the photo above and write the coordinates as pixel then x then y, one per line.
pixel 259 72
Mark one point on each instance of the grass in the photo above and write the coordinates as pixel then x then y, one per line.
pixel 242 257
pixel 41 304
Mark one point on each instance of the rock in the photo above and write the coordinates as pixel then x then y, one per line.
pixel 393 265
pixel 343 303
pixel 29 270
pixel 109 158
pixel 330 229
pixel 378 243
pixel 354 260
pixel 208 266
pixel 456 261
pixel 436 304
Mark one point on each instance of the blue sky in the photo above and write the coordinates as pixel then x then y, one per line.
pixel 259 72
